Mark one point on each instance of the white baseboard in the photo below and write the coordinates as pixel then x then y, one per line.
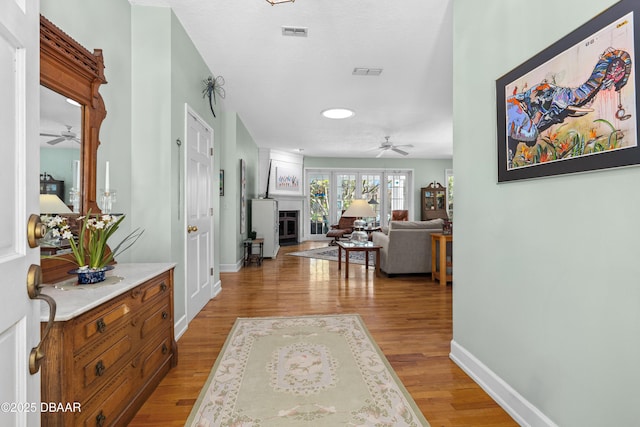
pixel 520 409
pixel 231 268
pixel 217 288
pixel 180 327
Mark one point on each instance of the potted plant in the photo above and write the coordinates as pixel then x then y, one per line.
pixel 89 248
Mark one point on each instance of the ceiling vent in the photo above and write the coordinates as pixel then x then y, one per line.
pixel 360 71
pixel 295 31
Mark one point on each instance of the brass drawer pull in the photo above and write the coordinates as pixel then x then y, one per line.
pixel 165 315
pixel 163 286
pixel 100 419
pixel 100 368
pixel 100 325
pixel 165 349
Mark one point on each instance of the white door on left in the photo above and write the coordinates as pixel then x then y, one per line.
pixel 19 166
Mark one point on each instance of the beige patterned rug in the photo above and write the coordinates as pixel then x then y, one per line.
pixel 303 371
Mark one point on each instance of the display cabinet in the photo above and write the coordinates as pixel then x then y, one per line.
pixel 433 202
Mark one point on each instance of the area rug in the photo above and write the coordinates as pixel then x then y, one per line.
pixel 303 371
pixel 331 254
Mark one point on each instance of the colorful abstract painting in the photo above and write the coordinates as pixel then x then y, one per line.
pixel 576 100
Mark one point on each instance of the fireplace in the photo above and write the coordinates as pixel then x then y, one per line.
pixel 288 227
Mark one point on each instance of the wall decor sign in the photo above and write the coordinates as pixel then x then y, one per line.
pixel 243 196
pixel 286 178
pixel 573 107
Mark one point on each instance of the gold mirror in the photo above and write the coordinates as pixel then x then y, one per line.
pixel 71 71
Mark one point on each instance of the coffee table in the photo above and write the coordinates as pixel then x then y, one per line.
pixel 352 247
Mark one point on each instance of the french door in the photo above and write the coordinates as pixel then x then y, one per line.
pixel 331 192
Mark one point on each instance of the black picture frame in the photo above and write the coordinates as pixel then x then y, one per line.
pixel 530 108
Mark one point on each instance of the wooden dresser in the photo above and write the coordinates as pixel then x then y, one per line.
pixel 110 345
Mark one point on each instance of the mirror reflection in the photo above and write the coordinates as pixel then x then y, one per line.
pixel 60 148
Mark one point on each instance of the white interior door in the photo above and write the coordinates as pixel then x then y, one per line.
pixel 19 165
pixel 199 213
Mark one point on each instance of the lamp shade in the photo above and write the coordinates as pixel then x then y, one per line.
pixel 51 204
pixel 359 208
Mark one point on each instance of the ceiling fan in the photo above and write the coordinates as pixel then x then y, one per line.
pixel 386 146
pixel 65 135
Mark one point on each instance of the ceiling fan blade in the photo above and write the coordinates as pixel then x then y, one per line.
pixel 57 140
pixel 404 145
pixel 404 153
pixel 50 134
pixel 76 140
pixel 380 153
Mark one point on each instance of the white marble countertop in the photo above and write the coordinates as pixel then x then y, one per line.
pixel 72 300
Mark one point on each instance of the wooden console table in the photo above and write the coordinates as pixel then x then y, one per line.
pixel 439 269
pixel 349 247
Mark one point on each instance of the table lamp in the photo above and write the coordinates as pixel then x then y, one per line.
pixel 52 204
pixel 359 208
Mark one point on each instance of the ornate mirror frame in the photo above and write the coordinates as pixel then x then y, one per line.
pixel 71 70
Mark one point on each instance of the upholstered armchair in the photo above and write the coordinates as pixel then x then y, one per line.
pixel 400 215
pixel 341 229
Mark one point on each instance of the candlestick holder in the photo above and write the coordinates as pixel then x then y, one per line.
pixel 108 199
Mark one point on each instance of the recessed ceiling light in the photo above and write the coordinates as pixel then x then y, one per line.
pixel 338 113
pixel 73 102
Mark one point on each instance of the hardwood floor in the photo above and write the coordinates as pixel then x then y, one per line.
pixel 408 316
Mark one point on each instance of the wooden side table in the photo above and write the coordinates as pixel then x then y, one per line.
pixel 249 256
pixel 439 269
pixel 349 246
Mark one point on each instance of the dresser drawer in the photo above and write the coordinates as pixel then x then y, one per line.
pixel 152 357
pixel 156 318
pixel 99 369
pixel 158 287
pixel 104 408
pixel 97 324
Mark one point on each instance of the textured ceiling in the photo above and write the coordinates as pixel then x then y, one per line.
pixel 279 85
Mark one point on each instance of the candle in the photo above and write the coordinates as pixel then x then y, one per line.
pixel 76 165
pixel 106 178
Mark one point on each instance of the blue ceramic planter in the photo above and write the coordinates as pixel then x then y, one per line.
pixel 88 277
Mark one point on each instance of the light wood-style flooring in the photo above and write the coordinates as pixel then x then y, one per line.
pixel 408 316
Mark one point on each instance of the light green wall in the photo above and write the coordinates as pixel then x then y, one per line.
pixel 239 144
pixel 546 288
pixel 424 171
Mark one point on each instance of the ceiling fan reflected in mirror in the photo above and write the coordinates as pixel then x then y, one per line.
pixel 387 145
pixel 65 135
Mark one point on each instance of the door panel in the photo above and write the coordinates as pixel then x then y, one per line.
pixel 19 165
pixel 199 219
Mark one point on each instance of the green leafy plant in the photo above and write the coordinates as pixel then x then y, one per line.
pixel 89 247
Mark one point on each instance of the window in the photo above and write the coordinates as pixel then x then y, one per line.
pixel 332 191
pixel 319 203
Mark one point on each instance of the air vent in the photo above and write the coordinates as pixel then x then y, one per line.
pixel 360 71
pixel 295 31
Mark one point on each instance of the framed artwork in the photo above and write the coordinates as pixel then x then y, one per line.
pixel 243 196
pixel 573 107
pixel 288 178
pixel 222 182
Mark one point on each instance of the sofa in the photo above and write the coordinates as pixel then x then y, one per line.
pixel 406 246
